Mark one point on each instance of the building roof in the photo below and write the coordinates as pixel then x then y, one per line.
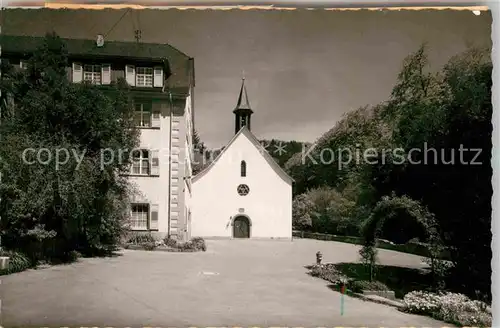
pixel 270 160
pixel 180 65
pixel 21 43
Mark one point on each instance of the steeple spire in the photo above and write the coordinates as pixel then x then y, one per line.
pixel 242 110
pixel 243 98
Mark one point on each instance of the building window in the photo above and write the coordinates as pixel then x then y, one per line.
pixel 144 77
pixel 140 217
pixel 92 73
pixel 140 162
pixel 243 190
pixel 243 169
pixel 142 115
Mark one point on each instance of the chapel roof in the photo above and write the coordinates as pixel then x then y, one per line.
pixel 270 160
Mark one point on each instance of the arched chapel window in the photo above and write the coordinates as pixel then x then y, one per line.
pixel 243 169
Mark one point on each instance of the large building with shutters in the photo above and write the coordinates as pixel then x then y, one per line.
pixel 162 83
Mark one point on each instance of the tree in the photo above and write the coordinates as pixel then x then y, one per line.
pixel 280 150
pixel 198 145
pixel 411 220
pixel 199 154
pixel 338 154
pixel 51 209
pixel 440 123
pixel 325 210
pixel 445 112
pixel 302 208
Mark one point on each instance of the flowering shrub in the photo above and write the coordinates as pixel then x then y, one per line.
pixel 199 244
pixel 421 302
pixel 328 273
pixel 193 245
pixel 170 242
pixel 139 238
pixel 450 307
pixel 148 242
pixel 149 246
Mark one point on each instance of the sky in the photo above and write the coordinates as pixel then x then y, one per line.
pixel 303 68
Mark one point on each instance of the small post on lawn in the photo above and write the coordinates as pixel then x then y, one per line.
pixel 319 257
pixel 342 291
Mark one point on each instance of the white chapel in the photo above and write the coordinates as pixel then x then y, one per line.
pixel 243 193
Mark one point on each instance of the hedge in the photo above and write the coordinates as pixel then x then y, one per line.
pixel 410 248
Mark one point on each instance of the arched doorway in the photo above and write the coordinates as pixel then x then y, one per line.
pixel 241 227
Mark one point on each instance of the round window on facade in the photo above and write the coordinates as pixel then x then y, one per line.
pixel 243 190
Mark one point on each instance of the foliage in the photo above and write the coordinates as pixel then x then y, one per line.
pixel 398 219
pixel 432 144
pixel 454 308
pixel 302 208
pixel 336 157
pixel 49 211
pixel 17 262
pixel 421 302
pixel 199 244
pixel 197 143
pixel 149 243
pixel 199 161
pixel 139 238
pixel 444 113
pixel 329 273
pixel 188 246
pixel 196 244
pixel 358 286
pixel 281 151
pixel 401 280
pixel 149 246
pixel 170 242
pixel 324 209
pixel 411 220
pixel 368 254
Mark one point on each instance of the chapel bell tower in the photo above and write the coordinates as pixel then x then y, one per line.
pixel 242 112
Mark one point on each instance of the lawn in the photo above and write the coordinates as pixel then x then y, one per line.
pixel 399 279
pixel 409 248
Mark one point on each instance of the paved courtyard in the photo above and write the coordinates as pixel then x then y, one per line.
pixel 234 283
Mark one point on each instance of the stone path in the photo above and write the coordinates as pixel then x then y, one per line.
pixel 235 283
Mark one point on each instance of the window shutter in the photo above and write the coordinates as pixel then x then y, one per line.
pixel 130 75
pixel 77 72
pixel 155 120
pixel 155 115
pixel 106 74
pixel 158 77
pixel 155 163
pixel 153 221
